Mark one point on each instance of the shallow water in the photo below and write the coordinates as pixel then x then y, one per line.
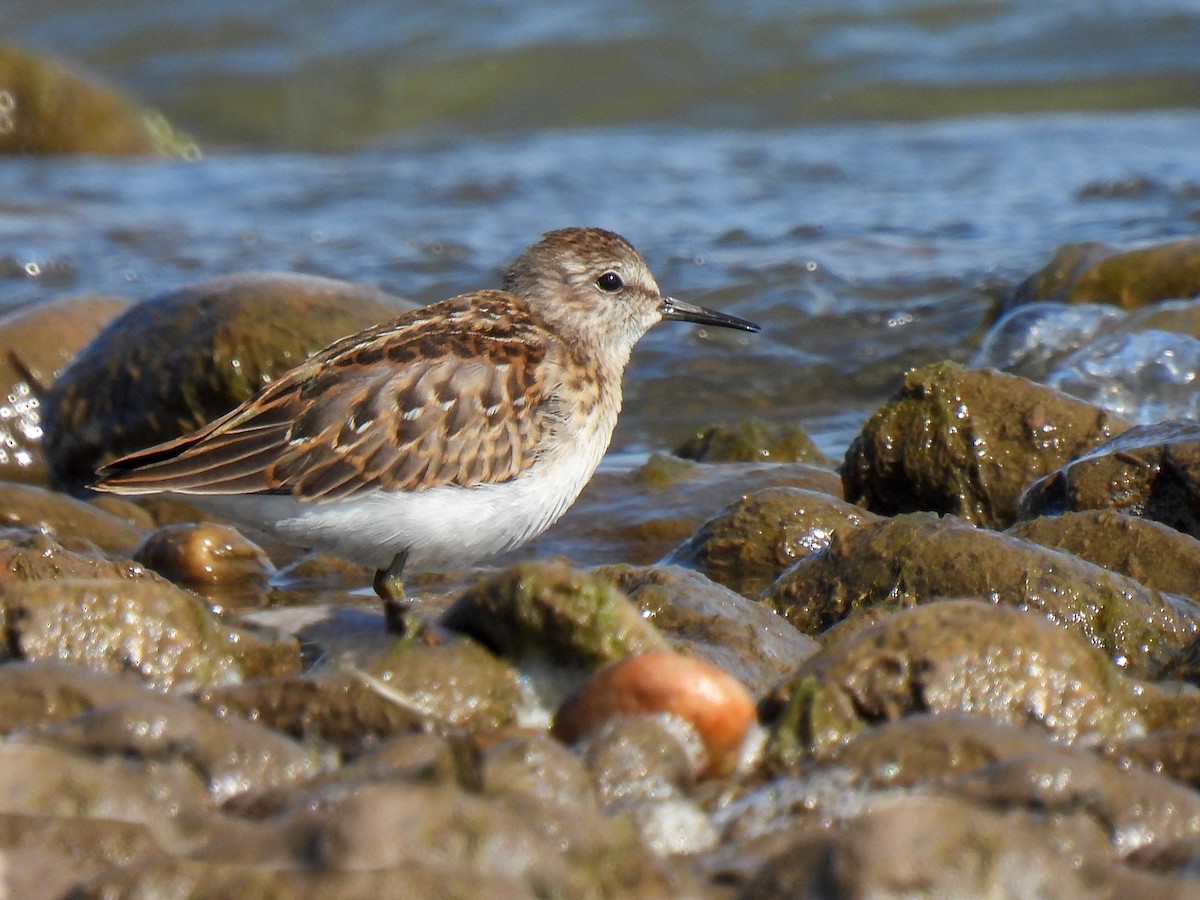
pixel 863 179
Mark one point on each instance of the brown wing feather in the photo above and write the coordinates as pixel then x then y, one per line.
pixel 456 393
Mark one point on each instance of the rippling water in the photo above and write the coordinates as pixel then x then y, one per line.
pixel 863 178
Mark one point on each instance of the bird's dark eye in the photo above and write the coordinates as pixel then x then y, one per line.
pixel 610 282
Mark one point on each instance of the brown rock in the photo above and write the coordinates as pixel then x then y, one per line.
pixel 206 556
pixel 752 440
pixel 920 558
pixel 967 442
pixel 65 519
pixel 954 656
pixel 36 343
pixel 752 541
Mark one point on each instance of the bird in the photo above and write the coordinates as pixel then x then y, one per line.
pixel 455 432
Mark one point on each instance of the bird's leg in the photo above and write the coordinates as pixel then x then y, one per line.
pixel 389 585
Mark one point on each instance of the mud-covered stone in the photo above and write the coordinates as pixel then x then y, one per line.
pixel 231 755
pixel 918 558
pixel 45 108
pixel 42 692
pixel 416 687
pixel 1151 471
pixel 943 847
pixel 750 542
pixel 1094 273
pixel 639 516
pixel 967 442
pixel 1147 551
pixel 955 656
pixel 547 610
pixel 536 765
pixel 174 362
pixel 700 618
pixel 169 637
pixel 36 343
pixel 65 519
pixel 752 440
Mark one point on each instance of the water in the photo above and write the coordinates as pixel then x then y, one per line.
pixel 863 178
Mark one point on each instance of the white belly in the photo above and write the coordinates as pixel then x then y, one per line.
pixel 440 528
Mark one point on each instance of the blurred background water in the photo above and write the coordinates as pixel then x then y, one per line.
pixel 863 177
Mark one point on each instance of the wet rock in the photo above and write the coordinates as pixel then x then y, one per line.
pixel 536 766
pixel 65 519
pixel 943 847
pixel 45 108
pixel 36 557
pixel 752 440
pixel 700 618
pixel 1149 552
pixel 967 442
pixel 1174 753
pixel 45 856
pixel 919 558
pixel 169 637
pixel 1151 471
pixel 231 755
pixel 638 516
pixel 205 556
pixel 456 685
pixel 549 611
pixel 39 693
pixel 716 705
pixel 179 360
pixel 955 656
pixel 36 343
pixel 1137 808
pixel 1093 273
pixel 923 749
pixel 752 541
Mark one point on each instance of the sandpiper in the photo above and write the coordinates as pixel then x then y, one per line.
pixel 452 433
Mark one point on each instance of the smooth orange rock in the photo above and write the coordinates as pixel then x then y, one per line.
pixel 711 700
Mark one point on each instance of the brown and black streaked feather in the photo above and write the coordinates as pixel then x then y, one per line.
pixel 461 392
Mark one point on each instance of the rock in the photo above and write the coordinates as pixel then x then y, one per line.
pixel 950 657
pixel 536 766
pixel 232 756
pixel 169 637
pixel 1151 471
pixel 638 516
pixel 65 519
pixel 1093 273
pixel 700 618
pixel 40 693
pixel 943 847
pixel 36 344
pixel 549 611
pixel 920 558
pixel 47 109
pixel 751 440
pixel 1147 551
pixel 712 702
pixel 205 556
pixel 36 557
pixel 752 541
pixel 967 442
pixel 177 361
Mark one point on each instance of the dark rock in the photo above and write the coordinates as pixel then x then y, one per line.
pixel 752 440
pixel 967 442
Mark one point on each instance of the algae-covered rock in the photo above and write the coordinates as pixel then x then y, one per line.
pixel 752 541
pixel 752 440
pixel 168 636
pixel 1147 551
pixel 1093 273
pixel 173 363
pixel 967 442
pixel 65 519
pixel 549 611
pixel 955 656
pixel 45 108
pixel 1151 471
pixel 701 618
pixel 918 558
pixel 36 344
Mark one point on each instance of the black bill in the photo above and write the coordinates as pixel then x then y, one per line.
pixel 679 311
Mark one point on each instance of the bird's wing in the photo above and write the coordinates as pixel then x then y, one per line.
pixel 461 392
